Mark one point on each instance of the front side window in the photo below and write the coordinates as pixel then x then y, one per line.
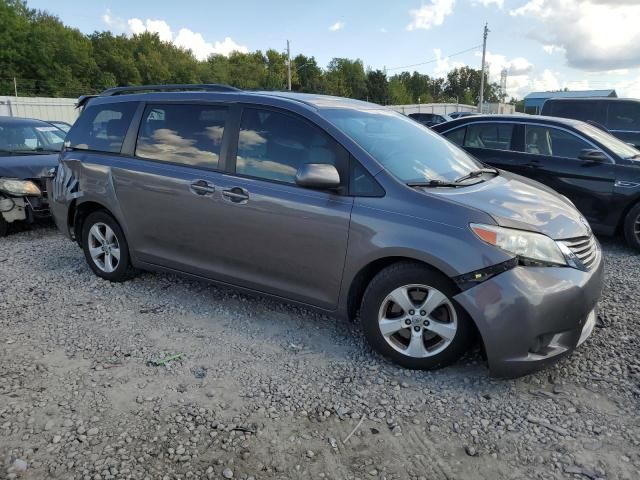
pixel 102 128
pixel 617 146
pixel 456 136
pixel 550 141
pixel 273 145
pixel 494 136
pixel 406 149
pixel 21 138
pixel 624 116
pixel 184 134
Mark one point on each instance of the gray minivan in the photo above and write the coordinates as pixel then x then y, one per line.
pixel 335 204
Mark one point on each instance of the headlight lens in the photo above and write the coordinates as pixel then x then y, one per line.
pixel 526 245
pixel 19 187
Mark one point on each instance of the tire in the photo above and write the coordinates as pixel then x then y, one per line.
pixel 632 227
pixel 4 227
pixel 101 255
pixel 408 347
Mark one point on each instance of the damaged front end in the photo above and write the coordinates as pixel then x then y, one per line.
pixel 22 201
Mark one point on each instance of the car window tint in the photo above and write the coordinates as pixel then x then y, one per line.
pixel 186 134
pixel 496 136
pixel 550 141
pixel 456 136
pixel 624 116
pixel 576 110
pixel 274 145
pixel 102 127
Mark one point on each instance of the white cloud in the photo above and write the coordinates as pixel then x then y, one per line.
pixel 337 26
pixel 551 49
pixel 185 38
pixel 429 15
pixel 488 3
pixel 597 35
pixel 443 65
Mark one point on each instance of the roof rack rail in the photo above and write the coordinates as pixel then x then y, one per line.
pixel 208 87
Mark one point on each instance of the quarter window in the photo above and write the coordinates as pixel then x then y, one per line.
pixel 624 116
pixel 102 128
pixel 274 145
pixel 494 136
pixel 553 142
pixel 184 134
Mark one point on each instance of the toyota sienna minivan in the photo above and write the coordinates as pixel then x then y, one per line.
pixel 335 204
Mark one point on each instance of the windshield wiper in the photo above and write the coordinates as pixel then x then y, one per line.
pixel 477 173
pixel 433 183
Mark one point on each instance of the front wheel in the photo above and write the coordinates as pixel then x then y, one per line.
pixel 632 227
pixel 105 247
pixel 408 315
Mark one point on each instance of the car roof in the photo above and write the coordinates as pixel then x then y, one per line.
pixel 520 118
pixel 18 121
pixel 310 100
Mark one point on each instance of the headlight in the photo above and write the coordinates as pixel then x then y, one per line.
pixel 526 245
pixel 19 188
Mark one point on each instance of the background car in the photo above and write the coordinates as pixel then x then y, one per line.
pixel 64 126
pixel 620 116
pixel 455 115
pixel 429 119
pixel 598 172
pixel 28 149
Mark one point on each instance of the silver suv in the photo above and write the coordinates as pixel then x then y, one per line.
pixel 335 204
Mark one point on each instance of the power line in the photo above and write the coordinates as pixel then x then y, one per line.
pixel 437 58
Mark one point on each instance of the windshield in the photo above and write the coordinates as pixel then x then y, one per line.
pixel 407 149
pixel 25 138
pixel 614 144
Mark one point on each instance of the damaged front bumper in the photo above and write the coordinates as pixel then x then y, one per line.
pixel 15 208
pixel 531 316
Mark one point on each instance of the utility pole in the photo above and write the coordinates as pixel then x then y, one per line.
pixel 15 86
pixel 484 53
pixel 288 66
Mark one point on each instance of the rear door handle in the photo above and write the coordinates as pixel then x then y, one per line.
pixel 236 195
pixel 202 187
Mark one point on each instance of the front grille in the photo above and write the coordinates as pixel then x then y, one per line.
pixel 585 248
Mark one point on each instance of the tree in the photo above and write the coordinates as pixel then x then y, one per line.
pixel 377 87
pixel 346 78
pixel 307 75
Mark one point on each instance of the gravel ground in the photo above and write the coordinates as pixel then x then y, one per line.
pixel 268 390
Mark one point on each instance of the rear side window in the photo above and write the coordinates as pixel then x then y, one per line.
pixel 624 116
pixel 102 128
pixel 553 142
pixel 495 136
pixel 273 145
pixel 184 134
pixel 456 136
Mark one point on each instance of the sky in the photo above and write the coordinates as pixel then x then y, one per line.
pixel 543 44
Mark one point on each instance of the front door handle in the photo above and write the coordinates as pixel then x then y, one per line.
pixel 236 195
pixel 202 187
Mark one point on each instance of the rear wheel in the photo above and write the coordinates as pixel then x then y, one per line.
pixel 632 227
pixel 105 247
pixel 408 315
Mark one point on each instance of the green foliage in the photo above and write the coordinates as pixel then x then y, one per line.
pixel 50 59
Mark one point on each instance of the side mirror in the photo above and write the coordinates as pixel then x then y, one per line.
pixel 318 175
pixel 593 155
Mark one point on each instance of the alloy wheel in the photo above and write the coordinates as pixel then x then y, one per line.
pixel 104 247
pixel 417 320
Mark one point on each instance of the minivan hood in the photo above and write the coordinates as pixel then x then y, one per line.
pixel 518 202
pixel 27 166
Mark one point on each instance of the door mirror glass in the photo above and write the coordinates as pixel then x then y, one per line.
pixel 592 155
pixel 318 175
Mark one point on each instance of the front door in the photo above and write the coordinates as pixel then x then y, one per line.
pixel 552 156
pixel 281 238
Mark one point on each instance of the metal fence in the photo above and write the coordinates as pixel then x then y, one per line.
pixel 433 108
pixel 42 108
